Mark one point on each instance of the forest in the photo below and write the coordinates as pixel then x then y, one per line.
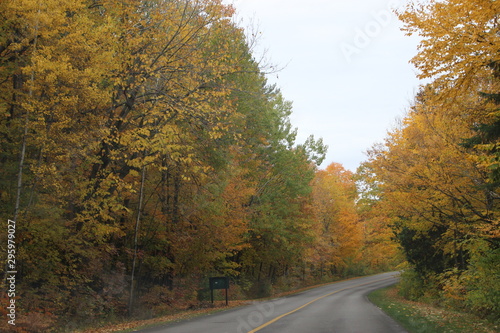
pixel 436 177
pixel 143 151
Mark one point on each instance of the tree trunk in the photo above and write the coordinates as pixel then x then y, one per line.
pixel 137 222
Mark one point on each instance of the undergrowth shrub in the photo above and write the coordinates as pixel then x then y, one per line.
pixel 483 285
pixel 411 286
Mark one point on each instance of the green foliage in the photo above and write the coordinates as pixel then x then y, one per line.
pixel 482 283
pixel 421 251
pixel 412 285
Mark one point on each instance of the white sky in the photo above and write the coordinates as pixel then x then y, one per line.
pixel 346 68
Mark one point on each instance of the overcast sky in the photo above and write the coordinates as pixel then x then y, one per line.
pixel 346 68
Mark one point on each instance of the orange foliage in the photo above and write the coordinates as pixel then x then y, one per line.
pixel 339 232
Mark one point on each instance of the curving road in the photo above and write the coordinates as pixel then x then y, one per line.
pixel 340 307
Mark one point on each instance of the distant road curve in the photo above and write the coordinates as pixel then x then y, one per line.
pixel 340 307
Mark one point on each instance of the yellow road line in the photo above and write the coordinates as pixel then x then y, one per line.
pixel 314 300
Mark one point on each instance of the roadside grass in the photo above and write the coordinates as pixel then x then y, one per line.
pixel 417 317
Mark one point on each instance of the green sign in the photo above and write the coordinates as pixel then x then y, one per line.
pixel 219 283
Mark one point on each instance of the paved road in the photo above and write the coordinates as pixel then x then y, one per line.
pixel 340 307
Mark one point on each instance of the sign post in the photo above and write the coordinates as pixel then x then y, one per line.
pixel 218 283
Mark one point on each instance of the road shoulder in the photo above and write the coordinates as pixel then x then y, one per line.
pixel 426 318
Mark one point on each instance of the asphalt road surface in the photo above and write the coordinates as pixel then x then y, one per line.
pixel 340 307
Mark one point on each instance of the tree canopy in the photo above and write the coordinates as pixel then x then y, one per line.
pixel 436 175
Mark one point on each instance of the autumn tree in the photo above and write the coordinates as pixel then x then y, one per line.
pixel 337 224
pixel 432 189
pixel 460 54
